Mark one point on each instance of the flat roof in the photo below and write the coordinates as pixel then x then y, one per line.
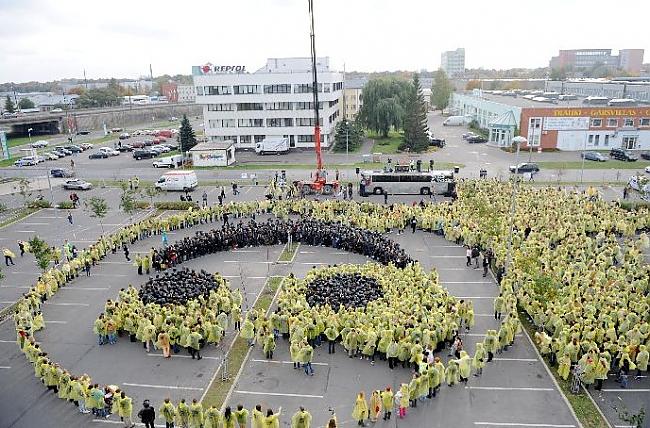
pixel 521 102
pixel 212 145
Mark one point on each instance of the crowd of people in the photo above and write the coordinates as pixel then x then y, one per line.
pixel 576 269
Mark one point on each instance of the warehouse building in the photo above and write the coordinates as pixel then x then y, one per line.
pixel 564 125
pixel 274 101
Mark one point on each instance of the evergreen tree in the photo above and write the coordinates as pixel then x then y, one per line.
pixel 348 135
pixel 186 135
pixel 9 105
pixel 415 119
pixel 441 90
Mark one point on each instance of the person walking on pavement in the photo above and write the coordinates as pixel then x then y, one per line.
pixel 626 190
pixel 486 264
pixel 147 414
pixel 125 409
pixel 414 224
pixel 385 197
pixel 9 256
pixel 468 254
pixel 205 199
pixel 126 252
pixel 222 192
pixel 235 191
pixel 87 267
pixel 21 246
pixel 70 217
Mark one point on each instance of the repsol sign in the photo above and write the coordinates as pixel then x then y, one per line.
pixel 215 69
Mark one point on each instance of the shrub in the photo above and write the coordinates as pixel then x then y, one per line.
pixel 42 203
pixel 175 205
pixel 142 205
pixel 634 205
pixel 65 205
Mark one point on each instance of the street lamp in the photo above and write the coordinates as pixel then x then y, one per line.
pixel 29 134
pixel 518 140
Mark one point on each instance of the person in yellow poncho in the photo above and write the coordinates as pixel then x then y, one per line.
pixel 360 411
pixel 196 414
pixel 387 402
pixel 375 406
pixel 272 420
pixel 301 419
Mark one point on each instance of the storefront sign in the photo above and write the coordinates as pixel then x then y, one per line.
pixel 565 123
pixel 601 112
pixel 211 156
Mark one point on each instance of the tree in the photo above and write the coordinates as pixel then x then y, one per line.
pixel 473 84
pixel 9 105
pixel 441 90
pixel 348 136
pixel 415 119
pixel 127 200
pixel 384 101
pixel 25 103
pixel 41 251
pixel 558 74
pixel 186 135
pixel 98 208
pixel 24 189
pixel 151 192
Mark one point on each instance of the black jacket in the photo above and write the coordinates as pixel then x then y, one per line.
pixel 147 414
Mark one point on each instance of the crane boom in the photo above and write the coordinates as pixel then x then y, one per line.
pixel 319 156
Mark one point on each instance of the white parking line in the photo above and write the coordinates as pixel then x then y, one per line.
pixel 24 287
pixel 246 251
pixel 285 362
pixel 8 341
pixel 55 322
pixel 36 224
pixel 4 367
pixel 314 263
pixel 516 424
pixel 625 390
pixel 508 388
pixel 84 288
pixel 523 360
pixel 66 304
pixel 484 315
pixel 245 261
pixel 277 394
pixel 447 257
pixel 25 231
pixel 144 385
pixel 116 263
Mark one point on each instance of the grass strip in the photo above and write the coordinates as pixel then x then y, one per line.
pixel 218 391
pixel 288 253
pixel 582 405
pixel 610 164
pixel 18 215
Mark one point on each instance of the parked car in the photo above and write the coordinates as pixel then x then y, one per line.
pixel 468 134
pixel 148 143
pixel 125 148
pixel 76 184
pixel 137 144
pixel 74 149
pixel 109 151
pixel 476 139
pixel 39 158
pixel 50 156
pixel 143 154
pixel 124 136
pixel 86 146
pixel 524 168
pixel 647 169
pixel 83 132
pixel 645 155
pixel 639 183
pixel 40 144
pixel 593 156
pixel 64 150
pixel 26 161
pixel 116 130
pixel 156 149
pixel 61 172
pixel 624 155
pixel 61 152
pixel 98 155
pixel 172 146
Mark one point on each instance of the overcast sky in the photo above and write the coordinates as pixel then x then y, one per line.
pixel 46 40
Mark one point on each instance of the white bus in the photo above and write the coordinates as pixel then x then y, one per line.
pixel 407 183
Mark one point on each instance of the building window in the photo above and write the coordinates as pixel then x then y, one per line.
pixel 245 139
pixel 303 88
pixel 224 138
pixel 335 102
pixel 596 123
pixel 278 106
pixel 250 123
pixel 221 107
pixel 199 90
pixel 534 131
pixel 628 122
pixel 612 123
pixel 249 106
pixel 277 89
pixel 307 105
pixel 590 139
pixel 307 121
pixel 337 86
pixel 246 89
pixel 596 140
pixel 279 122
pixel 644 121
pixel 629 143
pixel 307 138
pixel 326 87
pixel 221 123
pixel 217 90
pixel 606 142
pixel 259 138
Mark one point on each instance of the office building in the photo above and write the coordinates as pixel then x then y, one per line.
pixel 581 60
pixel 453 62
pixel 353 98
pixel 274 101
pixel 185 93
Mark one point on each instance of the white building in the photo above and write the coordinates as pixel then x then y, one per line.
pixel 217 153
pixel 274 101
pixel 186 93
pixel 453 62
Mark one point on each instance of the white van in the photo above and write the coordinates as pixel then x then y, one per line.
pixel 456 121
pixel 273 145
pixel 178 180
pixel 168 162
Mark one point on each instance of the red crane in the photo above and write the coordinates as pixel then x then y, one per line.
pixel 320 184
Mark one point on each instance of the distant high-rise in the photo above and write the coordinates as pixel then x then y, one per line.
pixel 629 60
pixel 453 62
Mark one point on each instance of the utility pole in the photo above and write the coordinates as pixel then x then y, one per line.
pixel 85 80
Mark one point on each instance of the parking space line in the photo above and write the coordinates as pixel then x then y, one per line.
pixel 484 315
pixel 84 288
pixel 35 224
pixel 284 362
pixel 509 388
pixel 66 304
pixel 8 341
pixel 116 263
pixel 625 390
pixel 55 322
pixel 5 367
pixel 246 261
pixel 25 287
pixel 277 394
pixel 314 263
pixel 25 231
pixel 523 360
pixel 307 252
pixel 516 424
pixel 144 385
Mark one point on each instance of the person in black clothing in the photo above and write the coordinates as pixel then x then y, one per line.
pixel 414 224
pixel 126 252
pixel 147 414
pixel 385 197
pixel 486 264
